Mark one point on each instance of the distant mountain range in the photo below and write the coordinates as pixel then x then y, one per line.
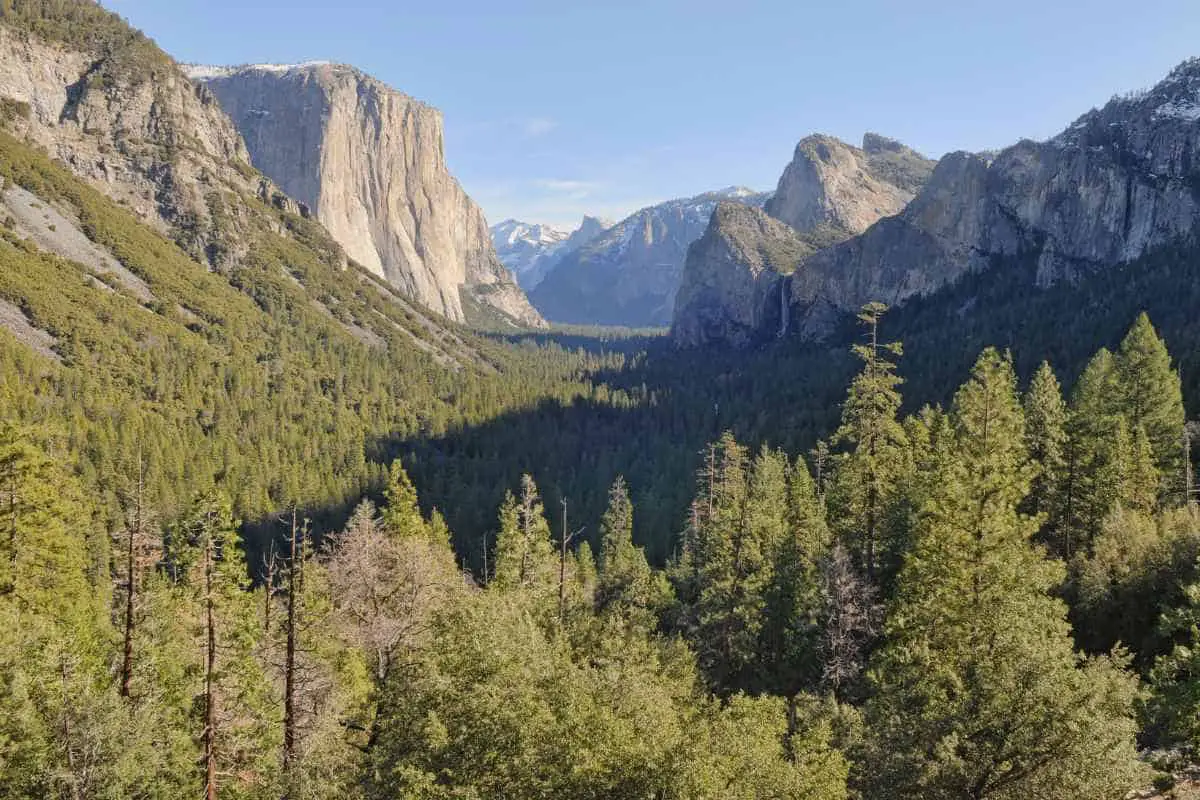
pixel 530 250
pixel 629 273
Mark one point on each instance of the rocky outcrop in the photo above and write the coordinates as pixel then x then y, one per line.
pixel 829 192
pixel 629 275
pixel 1119 182
pixel 734 289
pixel 830 184
pixel 131 123
pixel 369 162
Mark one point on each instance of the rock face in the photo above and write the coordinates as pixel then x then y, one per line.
pixel 734 289
pixel 828 193
pixel 127 120
pixel 369 162
pixel 1119 182
pixel 531 250
pixel 830 184
pixel 630 274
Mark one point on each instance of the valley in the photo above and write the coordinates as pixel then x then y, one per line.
pixel 878 484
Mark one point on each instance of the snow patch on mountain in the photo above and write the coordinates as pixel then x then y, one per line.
pixel 530 250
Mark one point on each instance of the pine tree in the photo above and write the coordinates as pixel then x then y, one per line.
pixel 977 691
pixel 728 564
pixel 867 475
pixel 1151 395
pixel 794 608
pixel 525 556
pixel 1174 704
pixel 238 733
pixel 401 514
pixel 1097 445
pixel 1046 440
pixel 626 584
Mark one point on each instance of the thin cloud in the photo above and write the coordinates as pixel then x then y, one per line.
pixel 572 189
pixel 538 126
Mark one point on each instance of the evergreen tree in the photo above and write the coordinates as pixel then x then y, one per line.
pixel 1152 397
pixel 401 515
pixel 525 556
pixel 626 583
pixel 977 691
pixel 238 705
pixel 1173 707
pixel 1098 444
pixel 1046 440
pixel 728 564
pixel 792 626
pixel 867 475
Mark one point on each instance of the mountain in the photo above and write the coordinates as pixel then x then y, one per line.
pixel 1120 182
pixel 531 250
pixel 629 275
pixel 521 245
pixel 829 192
pixel 119 112
pixel 847 189
pixel 160 295
pixel 369 163
pixel 744 250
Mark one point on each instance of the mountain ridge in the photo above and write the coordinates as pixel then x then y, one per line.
pixel 629 274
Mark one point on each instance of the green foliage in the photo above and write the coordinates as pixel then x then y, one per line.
pixel 401 515
pixel 497 707
pixel 1151 396
pixel 868 475
pixel 1173 709
pixel 524 554
pixel 978 692
pixel 1046 440
pixel 627 586
pixel 122 52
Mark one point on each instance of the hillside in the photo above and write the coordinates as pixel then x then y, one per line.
pixel 168 285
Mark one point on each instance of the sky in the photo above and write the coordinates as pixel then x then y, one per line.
pixel 559 108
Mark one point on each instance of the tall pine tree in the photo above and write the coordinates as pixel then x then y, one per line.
pixel 977 690
pixel 868 473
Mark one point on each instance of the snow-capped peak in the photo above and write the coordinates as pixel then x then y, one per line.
pixel 204 72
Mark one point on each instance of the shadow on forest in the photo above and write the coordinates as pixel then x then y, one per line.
pixel 647 421
pixel 650 419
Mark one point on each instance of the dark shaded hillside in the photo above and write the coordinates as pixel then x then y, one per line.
pixel 784 393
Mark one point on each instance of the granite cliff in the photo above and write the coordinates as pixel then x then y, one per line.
pixel 369 163
pixel 1118 183
pixel 733 281
pixel 121 115
pixel 829 192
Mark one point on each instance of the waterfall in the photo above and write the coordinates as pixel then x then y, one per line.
pixel 784 309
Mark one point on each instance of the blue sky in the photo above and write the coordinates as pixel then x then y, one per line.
pixel 556 109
